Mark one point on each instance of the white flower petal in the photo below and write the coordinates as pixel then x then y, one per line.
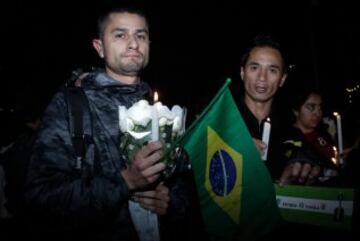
pixel 122 118
pixel 139 135
pixel 177 125
pixel 162 121
pixel 163 111
pixel 140 113
pixel 129 124
pixel 142 103
pixel 177 111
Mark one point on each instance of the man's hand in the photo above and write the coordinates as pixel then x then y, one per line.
pixel 155 200
pixel 261 146
pixel 145 169
pixel 297 172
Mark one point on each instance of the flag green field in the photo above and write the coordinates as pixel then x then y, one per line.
pixel 235 190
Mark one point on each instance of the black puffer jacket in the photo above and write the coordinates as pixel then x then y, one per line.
pixel 70 203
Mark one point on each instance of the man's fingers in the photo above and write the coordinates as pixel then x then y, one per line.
pixel 301 172
pixel 161 188
pixel 155 209
pixel 296 169
pixel 148 194
pixel 259 145
pixel 153 170
pixel 149 148
pixel 161 192
pixel 148 155
pixel 155 200
pixel 143 162
pixel 286 175
pixel 305 171
pixel 290 173
pixel 152 178
pixel 314 174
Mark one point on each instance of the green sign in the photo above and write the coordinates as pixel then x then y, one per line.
pixel 323 206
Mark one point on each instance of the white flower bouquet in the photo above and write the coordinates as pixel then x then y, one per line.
pixel 143 122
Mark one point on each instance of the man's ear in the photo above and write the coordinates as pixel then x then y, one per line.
pixel 242 73
pixel 283 78
pixel 98 46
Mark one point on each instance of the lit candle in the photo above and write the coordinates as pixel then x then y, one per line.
pixel 333 159
pixel 154 120
pixel 266 137
pixel 339 136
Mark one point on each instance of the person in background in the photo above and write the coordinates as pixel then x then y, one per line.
pixel 14 159
pixel 263 71
pixel 307 140
pixel 91 203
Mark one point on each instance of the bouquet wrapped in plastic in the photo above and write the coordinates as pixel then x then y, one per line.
pixel 143 122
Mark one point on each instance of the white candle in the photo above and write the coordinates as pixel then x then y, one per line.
pixel 266 137
pixel 339 136
pixel 154 120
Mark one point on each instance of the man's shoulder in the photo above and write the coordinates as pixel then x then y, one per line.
pixel 83 77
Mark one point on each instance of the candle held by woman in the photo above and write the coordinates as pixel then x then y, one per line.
pixel 339 137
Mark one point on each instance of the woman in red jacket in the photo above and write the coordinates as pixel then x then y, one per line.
pixel 306 141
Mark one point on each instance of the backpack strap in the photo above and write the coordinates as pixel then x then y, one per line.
pixel 79 114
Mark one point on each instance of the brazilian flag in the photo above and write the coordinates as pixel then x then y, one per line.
pixel 235 190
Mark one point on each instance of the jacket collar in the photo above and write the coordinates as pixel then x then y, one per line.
pixel 98 79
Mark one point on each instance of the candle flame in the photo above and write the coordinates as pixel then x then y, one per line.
pixel 333 159
pixel 336 114
pixel 268 119
pixel 156 96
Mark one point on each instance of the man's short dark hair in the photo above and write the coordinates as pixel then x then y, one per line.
pixel 264 40
pixel 103 18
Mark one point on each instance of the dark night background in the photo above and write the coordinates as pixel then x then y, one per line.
pixel 195 47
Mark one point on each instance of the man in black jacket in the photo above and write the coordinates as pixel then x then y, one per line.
pixel 264 71
pixel 91 202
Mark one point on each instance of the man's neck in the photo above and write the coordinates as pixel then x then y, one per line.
pixel 261 110
pixel 126 79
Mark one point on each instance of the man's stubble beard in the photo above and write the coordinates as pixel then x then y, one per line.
pixel 131 69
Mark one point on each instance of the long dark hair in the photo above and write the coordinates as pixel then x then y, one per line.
pixel 301 95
